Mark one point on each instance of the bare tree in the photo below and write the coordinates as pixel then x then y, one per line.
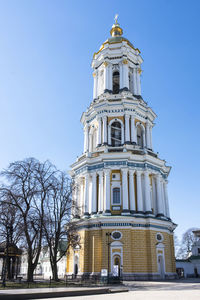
pixel 27 188
pixel 59 229
pixel 188 240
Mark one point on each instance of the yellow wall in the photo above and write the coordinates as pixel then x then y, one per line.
pixel 139 251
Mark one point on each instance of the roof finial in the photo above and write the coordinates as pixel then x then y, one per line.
pixel 116 18
pixel 116 29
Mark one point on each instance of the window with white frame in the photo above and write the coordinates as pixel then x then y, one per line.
pixel 140 136
pixel 116 138
pixel 116 82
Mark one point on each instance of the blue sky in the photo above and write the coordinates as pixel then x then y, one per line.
pixel 46 82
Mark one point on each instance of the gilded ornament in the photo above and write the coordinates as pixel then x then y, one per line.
pixel 105 64
pixel 125 61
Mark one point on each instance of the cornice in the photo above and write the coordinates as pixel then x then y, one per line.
pixel 119 160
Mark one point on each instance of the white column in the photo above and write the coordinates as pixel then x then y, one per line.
pixel 109 134
pixel 140 206
pixel 90 141
pixel 144 137
pixel 95 86
pixel 148 135
pixel 133 129
pixel 148 208
pixel 105 75
pixel 120 76
pixel 81 196
pixel 110 77
pixel 125 74
pixel 125 190
pixel 107 192
pixel 105 138
pixel 86 195
pixel 166 199
pixel 97 83
pixel 135 92
pixel 86 137
pixel 138 83
pixel 159 196
pixel 132 191
pixel 100 194
pixel 162 196
pixel 127 129
pixel 99 132
pixel 150 131
pixel 94 193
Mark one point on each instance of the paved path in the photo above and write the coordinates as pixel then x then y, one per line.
pixel 143 290
pixel 138 290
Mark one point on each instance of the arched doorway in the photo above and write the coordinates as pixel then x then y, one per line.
pixel 116 265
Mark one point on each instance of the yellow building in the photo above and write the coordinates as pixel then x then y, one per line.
pixel 121 183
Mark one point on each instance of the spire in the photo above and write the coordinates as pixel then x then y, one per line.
pixel 116 30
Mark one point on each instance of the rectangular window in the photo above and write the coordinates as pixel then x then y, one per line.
pixel 116 195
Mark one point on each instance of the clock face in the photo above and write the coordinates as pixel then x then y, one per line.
pixel 116 235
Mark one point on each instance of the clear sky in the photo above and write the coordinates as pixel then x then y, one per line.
pixel 46 82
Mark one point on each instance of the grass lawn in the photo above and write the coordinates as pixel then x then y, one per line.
pixel 36 284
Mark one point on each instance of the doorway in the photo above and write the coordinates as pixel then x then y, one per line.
pixel 116 266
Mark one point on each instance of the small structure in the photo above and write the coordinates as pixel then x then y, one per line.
pixel 190 267
pixel 10 256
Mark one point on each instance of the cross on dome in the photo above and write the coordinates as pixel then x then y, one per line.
pixel 116 18
pixel 116 29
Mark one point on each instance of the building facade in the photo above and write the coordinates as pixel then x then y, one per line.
pixel 190 267
pixel 43 269
pixel 121 183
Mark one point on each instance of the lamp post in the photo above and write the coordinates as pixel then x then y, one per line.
pixel 108 235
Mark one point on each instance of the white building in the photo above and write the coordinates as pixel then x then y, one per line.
pixel 190 267
pixel 43 269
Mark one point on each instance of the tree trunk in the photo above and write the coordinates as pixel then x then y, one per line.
pixel 54 270
pixel 30 272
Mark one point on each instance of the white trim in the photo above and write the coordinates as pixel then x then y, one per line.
pixel 116 245
pixel 143 133
pixel 116 184
pixel 114 238
pixel 160 247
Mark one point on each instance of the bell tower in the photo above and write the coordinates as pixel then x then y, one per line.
pixel 120 182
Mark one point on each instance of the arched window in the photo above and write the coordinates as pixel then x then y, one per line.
pixel 116 82
pixel 140 136
pixel 116 195
pixel 116 138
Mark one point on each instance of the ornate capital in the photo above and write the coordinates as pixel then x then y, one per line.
pixel 140 71
pixel 94 74
pixel 124 171
pixel 139 173
pixel 131 172
pixel 105 64
pixel 107 172
pixel 100 173
pixel 125 61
